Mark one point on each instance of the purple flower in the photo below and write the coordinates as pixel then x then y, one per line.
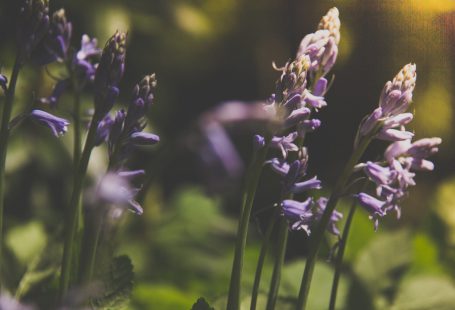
pixel 309 125
pixel 380 175
pixel 297 116
pixel 322 50
pixel 373 206
pixel 89 48
pixel 104 128
pixel 258 142
pixel 142 100
pixel 397 94
pixel 335 217
pixel 58 125
pixel 144 138
pixel 285 144
pixel 394 135
pixel 331 22
pixel 57 92
pixel 424 148
pixel 316 102
pixel 320 87
pixel 56 43
pixel 115 189
pixel 279 166
pixel 300 187
pixel 298 214
pixel 109 72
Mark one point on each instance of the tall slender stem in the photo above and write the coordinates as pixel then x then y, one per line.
pixel 93 228
pixel 339 256
pixel 252 182
pixel 74 208
pixel 4 135
pixel 276 276
pixel 261 260
pixel 316 240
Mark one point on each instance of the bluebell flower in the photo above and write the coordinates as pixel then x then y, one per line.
pixel 335 217
pixel 58 125
pixel 285 144
pixel 373 206
pixel 144 138
pixel 115 189
pixel 299 214
pixel 55 45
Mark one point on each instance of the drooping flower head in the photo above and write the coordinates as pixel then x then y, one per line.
pixel 33 23
pixel 109 73
pixel 58 125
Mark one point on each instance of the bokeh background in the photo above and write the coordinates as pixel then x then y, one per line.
pixel 205 52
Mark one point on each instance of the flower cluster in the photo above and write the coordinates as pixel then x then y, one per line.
pixel 299 91
pixel 395 173
pixel 126 130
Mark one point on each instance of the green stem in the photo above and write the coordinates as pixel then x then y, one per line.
pixel 276 276
pixel 339 258
pixel 316 240
pixel 4 135
pixel 74 208
pixel 261 260
pixel 252 181
pixel 94 227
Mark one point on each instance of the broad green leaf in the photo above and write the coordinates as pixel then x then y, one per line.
pixel 160 296
pixel 26 241
pixel 118 284
pixel 425 293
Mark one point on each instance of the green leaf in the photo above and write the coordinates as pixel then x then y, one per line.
pixel 118 285
pixel 160 296
pixel 382 262
pixel 26 241
pixel 424 293
pixel 202 304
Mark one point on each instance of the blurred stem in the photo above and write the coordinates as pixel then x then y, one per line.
pixel 4 135
pixel 340 253
pixel 252 181
pixel 316 240
pixel 94 227
pixel 276 276
pixel 261 260
pixel 74 207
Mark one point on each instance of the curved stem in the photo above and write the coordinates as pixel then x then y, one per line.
pixel 276 276
pixel 315 241
pixel 252 181
pixel 340 254
pixel 261 260
pixel 4 135
pixel 74 208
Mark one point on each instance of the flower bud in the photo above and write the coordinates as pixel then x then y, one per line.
pixel 33 25
pixel 331 22
pixel 58 125
pixel 109 73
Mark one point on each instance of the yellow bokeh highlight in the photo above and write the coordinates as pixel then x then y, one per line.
pixel 445 207
pixel 433 111
pixel 192 20
pixel 110 20
pixel 433 6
